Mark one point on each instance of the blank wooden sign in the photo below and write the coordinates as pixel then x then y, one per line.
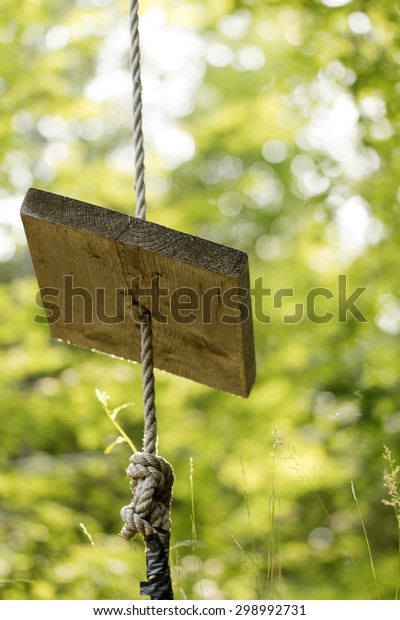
pixel 92 264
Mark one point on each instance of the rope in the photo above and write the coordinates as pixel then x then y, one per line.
pixel 150 434
pixel 151 477
pixel 149 405
pixel 151 485
pixel 139 186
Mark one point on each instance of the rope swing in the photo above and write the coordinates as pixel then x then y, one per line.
pixel 151 477
pixel 71 240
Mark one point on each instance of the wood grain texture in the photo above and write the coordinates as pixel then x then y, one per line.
pixel 91 263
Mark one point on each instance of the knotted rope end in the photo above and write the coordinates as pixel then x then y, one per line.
pixel 151 481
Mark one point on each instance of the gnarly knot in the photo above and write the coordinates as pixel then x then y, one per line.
pixel 151 482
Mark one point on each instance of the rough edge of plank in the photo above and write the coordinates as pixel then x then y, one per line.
pixel 188 249
pixel 63 210
pixel 248 354
pixel 146 235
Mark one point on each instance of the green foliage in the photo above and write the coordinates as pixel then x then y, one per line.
pixel 272 127
pixel 112 416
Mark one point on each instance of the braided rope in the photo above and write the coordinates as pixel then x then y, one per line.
pixel 151 477
pixel 139 186
pixel 150 420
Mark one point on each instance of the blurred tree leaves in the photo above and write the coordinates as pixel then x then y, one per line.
pixel 272 127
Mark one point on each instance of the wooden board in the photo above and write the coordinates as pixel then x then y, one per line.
pixel 92 263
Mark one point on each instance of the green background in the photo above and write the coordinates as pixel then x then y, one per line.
pixel 271 127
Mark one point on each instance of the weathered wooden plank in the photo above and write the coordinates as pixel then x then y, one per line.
pixel 92 262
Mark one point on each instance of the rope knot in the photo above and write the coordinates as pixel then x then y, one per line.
pixel 151 482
